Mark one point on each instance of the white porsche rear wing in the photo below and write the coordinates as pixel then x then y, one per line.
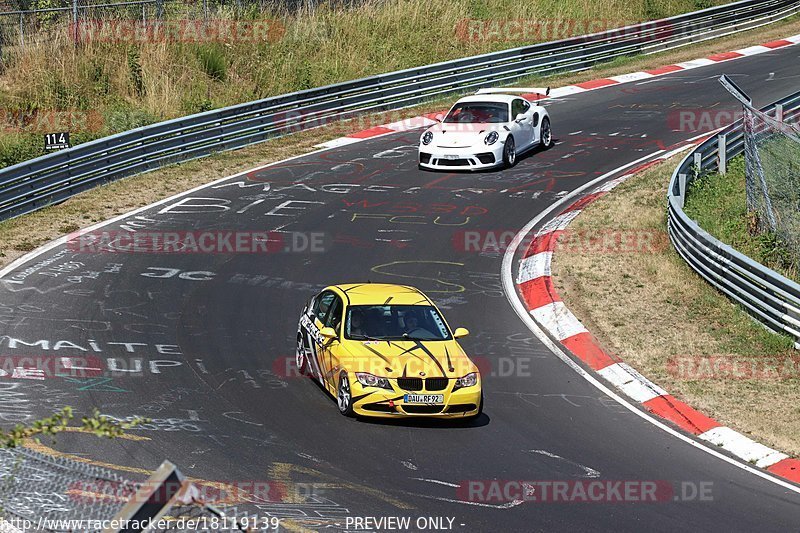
pixel 507 90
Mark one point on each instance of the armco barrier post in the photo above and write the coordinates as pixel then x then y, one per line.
pixel 151 501
pixel 742 279
pixel 779 112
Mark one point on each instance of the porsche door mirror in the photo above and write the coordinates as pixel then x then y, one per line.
pixel 520 117
pixel 460 333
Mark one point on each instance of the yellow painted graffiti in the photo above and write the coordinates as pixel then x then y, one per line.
pixel 388 269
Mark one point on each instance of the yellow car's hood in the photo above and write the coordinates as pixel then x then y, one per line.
pixel 408 358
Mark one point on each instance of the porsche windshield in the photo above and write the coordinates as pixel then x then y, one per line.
pixel 395 322
pixel 477 112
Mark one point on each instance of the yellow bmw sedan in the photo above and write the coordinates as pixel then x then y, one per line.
pixel 385 350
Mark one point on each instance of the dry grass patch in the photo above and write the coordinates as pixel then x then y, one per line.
pixel 649 308
pixel 322 43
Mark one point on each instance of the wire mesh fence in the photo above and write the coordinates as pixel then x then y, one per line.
pixel 40 492
pixel 772 160
pixel 23 22
pixel 49 494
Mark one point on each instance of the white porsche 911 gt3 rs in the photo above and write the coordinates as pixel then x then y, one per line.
pixel 485 130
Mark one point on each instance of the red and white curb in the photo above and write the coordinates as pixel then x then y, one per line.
pixel 535 286
pixel 429 119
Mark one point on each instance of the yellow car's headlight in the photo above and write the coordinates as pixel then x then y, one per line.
pixel 470 380
pixel 370 380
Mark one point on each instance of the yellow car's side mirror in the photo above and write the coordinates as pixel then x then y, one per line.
pixel 328 333
pixel 460 332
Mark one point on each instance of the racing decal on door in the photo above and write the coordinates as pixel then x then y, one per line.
pixel 314 340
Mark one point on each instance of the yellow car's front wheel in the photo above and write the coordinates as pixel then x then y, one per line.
pixel 344 395
pixel 301 357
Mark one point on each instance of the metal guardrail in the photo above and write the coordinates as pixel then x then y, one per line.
pixel 768 296
pixel 52 178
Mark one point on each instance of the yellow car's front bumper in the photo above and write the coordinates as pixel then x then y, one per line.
pixel 377 402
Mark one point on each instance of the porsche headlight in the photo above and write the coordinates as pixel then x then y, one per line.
pixel 427 137
pixel 369 380
pixel 491 138
pixel 470 380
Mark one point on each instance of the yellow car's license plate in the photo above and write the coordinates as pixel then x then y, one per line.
pixel 423 398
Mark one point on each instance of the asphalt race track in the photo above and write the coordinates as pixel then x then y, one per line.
pixel 213 333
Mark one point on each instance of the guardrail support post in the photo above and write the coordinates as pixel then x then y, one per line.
pixel 722 153
pixel 779 112
pixel 698 162
pixel 681 188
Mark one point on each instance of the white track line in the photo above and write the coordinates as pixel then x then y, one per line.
pixel 510 289
pixel 61 240
pixel 436 481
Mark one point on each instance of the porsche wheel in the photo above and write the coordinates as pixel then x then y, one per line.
pixel 546 137
pixel 509 152
pixel 344 398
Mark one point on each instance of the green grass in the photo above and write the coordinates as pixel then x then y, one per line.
pixel 327 44
pixel 717 202
pixel 669 312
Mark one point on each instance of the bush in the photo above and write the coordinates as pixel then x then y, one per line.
pixel 121 118
pixel 213 62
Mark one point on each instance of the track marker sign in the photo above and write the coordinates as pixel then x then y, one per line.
pixel 56 141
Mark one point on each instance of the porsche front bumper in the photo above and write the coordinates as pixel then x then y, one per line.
pixel 472 158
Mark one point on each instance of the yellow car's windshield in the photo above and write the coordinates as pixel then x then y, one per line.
pixel 395 322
